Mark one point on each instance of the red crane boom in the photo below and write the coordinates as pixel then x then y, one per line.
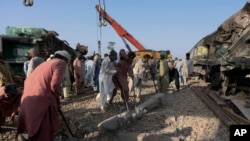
pixel 119 29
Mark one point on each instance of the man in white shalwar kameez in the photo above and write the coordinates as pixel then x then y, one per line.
pixel 187 68
pixel 66 83
pixel 105 79
pixel 89 67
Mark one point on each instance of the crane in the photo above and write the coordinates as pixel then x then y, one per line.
pixel 124 34
pixel 120 30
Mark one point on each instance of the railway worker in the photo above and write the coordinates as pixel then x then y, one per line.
pixel 105 79
pixel 6 73
pixel 9 103
pixel 79 73
pixel 34 61
pixel 120 79
pixel 173 74
pixel 139 70
pixel 96 72
pixel 163 80
pixel 40 101
pixel 187 68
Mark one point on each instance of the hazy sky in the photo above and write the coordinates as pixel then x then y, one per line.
pixel 175 25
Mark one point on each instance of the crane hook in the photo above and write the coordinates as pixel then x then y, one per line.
pixel 102 21
pixel 28 2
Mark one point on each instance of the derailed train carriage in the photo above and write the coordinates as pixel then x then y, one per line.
pixel 223 57
pixel 17 41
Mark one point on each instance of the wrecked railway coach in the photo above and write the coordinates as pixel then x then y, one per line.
pixel 223 57
pixel 17 41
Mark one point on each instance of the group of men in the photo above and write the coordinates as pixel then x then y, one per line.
pixel 177 71
pixel 123 74
pixel 40 101
pixel 86 71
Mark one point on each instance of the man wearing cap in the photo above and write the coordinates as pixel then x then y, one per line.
pixel 163 80
pixel 40 100
pixel 34 61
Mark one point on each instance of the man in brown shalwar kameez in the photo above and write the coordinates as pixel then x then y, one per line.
pixel 79 73
pixel 40 100
pixel 9 103
pixel 124 69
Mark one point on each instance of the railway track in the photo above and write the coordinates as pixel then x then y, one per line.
pixel 226 111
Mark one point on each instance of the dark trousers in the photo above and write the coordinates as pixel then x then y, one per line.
pixel 124 90
pixel 174 76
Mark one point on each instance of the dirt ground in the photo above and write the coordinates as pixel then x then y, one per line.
pixel 182 116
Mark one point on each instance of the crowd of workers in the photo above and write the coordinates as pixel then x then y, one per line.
pixel 46 80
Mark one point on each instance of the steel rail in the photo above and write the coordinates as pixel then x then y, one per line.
pixel 223 115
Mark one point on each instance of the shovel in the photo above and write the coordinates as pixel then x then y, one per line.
pixel 153 78
pixel 65 121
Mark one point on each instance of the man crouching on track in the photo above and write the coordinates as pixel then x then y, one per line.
pixel 40 100
pixel 9 102
pixel 120 79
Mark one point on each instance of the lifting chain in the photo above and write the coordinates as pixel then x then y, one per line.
pixel 102 21
pixel 28 2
